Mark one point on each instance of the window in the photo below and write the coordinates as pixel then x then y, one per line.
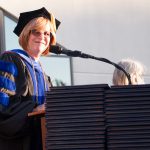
pixel 58 68
pixel 11 40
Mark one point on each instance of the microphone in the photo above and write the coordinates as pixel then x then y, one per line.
pixel 59 50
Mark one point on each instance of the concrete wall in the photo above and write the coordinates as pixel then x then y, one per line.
pixel 113 29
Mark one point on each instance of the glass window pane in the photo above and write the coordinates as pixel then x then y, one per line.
pixel 58 68
pixel 10 38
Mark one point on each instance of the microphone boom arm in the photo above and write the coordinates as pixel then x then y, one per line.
pixel 58 50
pixel 110 62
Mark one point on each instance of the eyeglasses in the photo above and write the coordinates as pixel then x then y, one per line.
pixel 37 33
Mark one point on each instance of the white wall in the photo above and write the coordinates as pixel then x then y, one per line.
pixel 113 29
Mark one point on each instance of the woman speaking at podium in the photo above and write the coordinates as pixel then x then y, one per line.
pixel 23 82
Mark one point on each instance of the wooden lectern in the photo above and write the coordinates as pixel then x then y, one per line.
pixel 43 125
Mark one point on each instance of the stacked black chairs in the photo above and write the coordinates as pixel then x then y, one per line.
pixel 75 118
pixel 128 117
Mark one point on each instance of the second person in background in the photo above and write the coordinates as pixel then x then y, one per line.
pixel 134 68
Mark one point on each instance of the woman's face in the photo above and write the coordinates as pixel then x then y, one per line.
pixel 38 41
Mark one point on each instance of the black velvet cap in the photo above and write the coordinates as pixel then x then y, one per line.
pixel 26 17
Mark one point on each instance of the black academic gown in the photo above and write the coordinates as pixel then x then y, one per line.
pixel 17 130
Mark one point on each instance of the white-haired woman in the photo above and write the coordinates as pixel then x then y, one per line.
pixel 134 68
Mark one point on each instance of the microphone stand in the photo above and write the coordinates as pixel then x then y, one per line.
pixel 59 50
pixel 83 55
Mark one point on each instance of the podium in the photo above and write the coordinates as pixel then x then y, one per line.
pixel 75 118
pixel 40 114
pixel 98 117
pixel 128 117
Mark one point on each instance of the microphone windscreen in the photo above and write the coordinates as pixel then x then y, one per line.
pixel 55 49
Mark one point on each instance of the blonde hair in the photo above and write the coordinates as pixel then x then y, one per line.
pixel 134 68
pixel 38 23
